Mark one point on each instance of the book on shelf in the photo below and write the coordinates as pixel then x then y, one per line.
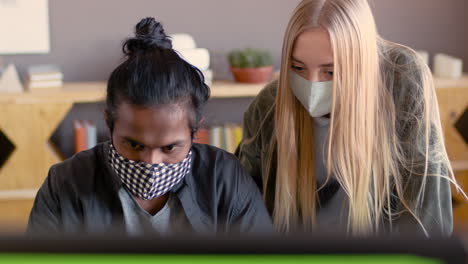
pixel 85 135
pixel 91 135
pixel 222 137
pixel 202 136
pixel 237 135
pixel 214 136
pixel 80 136
pixel 227 136
pixel 45 84
pixel 44 72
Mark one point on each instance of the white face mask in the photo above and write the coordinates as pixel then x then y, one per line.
pixel 316 97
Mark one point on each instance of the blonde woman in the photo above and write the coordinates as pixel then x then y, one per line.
pixel 349 138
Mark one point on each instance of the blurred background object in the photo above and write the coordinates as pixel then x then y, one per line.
pixel 24 28
pixel 424 56
pixel 185 45
pixel 447 66
pixel 251 65
pixel 9 80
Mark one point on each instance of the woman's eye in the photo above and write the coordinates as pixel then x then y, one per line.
pixel 297 68
pixel 328 72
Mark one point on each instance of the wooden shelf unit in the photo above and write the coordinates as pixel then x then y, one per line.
pixel 461 82
pixel 452 95
pixel 85 92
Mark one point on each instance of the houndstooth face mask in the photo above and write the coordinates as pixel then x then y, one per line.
pixel 145 180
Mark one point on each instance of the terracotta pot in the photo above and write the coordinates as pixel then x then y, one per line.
pixel 252 75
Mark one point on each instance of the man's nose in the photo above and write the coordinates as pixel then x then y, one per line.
pixel 153 156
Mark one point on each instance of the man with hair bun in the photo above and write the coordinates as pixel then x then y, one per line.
pixel 151 178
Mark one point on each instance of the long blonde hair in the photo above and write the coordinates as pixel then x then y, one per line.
pixel 365 152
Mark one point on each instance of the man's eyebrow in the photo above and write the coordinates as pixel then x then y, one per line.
pixel 177 142
pixel 136 142
pixel 133 141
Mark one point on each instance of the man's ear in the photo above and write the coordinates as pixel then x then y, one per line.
pixel 201 122
pixel 199 125
pixel 107 118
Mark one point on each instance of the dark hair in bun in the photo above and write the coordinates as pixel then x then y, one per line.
pixel 154 74
pixel 149 34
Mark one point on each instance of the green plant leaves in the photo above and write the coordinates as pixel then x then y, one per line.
pixel 250 58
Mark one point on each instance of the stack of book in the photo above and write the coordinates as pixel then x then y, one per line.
pixel 225 137
pixel 40 77
pixel 85 135
pixel 185 45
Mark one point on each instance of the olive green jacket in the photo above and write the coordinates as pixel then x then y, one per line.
pixel 436 210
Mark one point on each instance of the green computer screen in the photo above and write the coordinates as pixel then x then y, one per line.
pixel 24 258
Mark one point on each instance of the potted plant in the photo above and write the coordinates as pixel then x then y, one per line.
pixel 251 65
